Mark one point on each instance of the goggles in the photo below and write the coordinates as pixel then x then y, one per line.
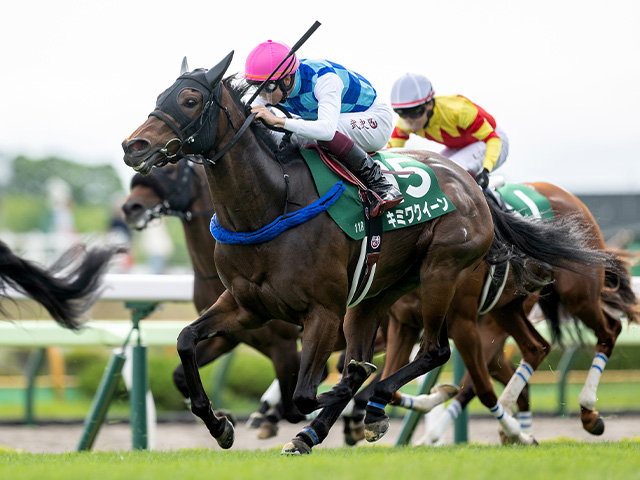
pixel 412 113
pixel 270 87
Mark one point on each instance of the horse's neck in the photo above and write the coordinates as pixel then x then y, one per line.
pixel 247 184
pixel 200 243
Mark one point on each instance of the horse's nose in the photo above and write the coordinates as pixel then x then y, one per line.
pixel 132 210
pixel 135 147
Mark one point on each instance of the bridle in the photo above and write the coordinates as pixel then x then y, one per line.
pixel 198 133
pixel 176 193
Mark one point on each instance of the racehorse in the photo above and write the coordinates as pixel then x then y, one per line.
pixel 181 190
pixel 594 299
pixel 65 294
pixel 302 274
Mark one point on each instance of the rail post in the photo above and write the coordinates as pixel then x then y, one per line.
pixel 460 424
pixel 100 405
pixel 140 378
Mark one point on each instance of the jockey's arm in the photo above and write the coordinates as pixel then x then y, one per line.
pixel 328 92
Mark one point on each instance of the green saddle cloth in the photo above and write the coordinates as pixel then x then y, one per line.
pixel 525 200
pixel 423 198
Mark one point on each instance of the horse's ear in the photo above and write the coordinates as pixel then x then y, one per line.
pixel 184 68
pixel 214 75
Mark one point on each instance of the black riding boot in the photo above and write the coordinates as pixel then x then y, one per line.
pixel 360 163
pixel 369 172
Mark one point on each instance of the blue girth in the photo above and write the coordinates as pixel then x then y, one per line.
pixel 280 224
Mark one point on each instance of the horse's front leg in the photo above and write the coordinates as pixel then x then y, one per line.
pixel 224 317
pixel 360 334
pixel 319 335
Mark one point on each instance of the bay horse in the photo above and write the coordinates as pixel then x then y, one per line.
pixel 66 290
pixel 302 275
pixel 181 190
pixel 595 299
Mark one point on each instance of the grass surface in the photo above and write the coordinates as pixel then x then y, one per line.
pixel 551 460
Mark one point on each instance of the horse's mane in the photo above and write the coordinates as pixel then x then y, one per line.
pixel 238 89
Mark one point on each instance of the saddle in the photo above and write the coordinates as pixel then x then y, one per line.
pixel 370 251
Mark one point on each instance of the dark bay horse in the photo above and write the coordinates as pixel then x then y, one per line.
pixel 181 190
pixel 66 290
pixel 302 275
pixel 595 299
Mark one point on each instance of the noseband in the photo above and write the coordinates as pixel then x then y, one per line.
pixel 200 132
pixel 176 195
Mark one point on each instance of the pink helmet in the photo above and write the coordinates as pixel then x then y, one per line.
pixel 265 58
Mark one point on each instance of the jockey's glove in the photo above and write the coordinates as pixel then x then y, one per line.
pixel 482 178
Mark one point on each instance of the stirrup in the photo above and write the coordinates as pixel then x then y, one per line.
pixel 379 205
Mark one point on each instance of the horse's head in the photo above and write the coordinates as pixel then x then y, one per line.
pixel 183 122
pixel 169 190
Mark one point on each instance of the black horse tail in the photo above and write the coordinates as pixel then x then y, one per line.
pixel 66 296
pixel 618 293
pixel 563 243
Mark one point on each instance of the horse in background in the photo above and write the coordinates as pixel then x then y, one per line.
pixel 594 299
pixel 67 289
pixel 287 275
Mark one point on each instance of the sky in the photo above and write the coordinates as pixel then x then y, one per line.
pixel 561 77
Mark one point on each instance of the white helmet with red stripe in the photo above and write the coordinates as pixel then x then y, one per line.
pixel 411 90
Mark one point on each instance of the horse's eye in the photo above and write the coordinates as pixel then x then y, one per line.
pixel 190 103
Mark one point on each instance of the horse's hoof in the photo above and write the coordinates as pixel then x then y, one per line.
pixel 255 420
pixel 376 430
pixel 591 421
pixel 223 412
pixel 354 432
pixel 226 438
pixel 296 447
pixel 526 439
pixel 447 390
pixel 598 428
pixel 267 430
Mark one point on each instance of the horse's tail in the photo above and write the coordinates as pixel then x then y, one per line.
pixel 617 295
pixel 66 296
pixel 618 291
pixel 550 305
pixel 563 243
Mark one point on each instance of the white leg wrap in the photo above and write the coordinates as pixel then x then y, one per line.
pixel 423 403
pixel 587 397
pixel 514 387
pixel 272 395
pixel 526 424
pixel 510 425
pixel 438 426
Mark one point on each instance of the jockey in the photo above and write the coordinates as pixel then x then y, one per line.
pixel 337 107
pixel 470 135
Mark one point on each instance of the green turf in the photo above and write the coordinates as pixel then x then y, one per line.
pixel 552 460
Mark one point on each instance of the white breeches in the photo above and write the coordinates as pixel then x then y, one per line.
pixel 471 157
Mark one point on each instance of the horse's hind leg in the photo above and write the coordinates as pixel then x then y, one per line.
pixel 584 302
pixel 222 318
pixel 533 346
